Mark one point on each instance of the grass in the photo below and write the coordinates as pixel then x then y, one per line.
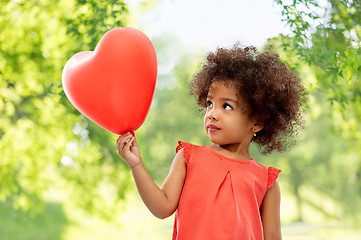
pixel 18 225
pixel 306 231
pixel 60 221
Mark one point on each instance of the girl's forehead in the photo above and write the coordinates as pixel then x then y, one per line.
pixel 224 87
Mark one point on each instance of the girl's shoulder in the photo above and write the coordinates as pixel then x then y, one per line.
pixel 189 149
pixel 182 145
pixel 268 174
pixel 185 145
pixel 272 173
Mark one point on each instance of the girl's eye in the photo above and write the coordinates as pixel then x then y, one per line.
pixel 209 103
pixel 227 106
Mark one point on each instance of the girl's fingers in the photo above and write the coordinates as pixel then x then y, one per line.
pixel 128 150
pixel 128 144
pixel 122 140
pixel 135 143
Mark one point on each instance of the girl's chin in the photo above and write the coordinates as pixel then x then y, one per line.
pixel 217 141
pixel 221 142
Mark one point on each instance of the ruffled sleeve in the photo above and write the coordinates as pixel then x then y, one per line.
pixel 272 176
pixel 187 149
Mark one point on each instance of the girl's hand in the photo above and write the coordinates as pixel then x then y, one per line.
pixel 127 148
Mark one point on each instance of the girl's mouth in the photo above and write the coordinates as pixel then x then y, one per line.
pixel 212 128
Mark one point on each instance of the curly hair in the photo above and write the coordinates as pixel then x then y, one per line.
pixel 273 94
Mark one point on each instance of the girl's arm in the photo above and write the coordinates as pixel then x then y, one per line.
pixel 270 213
pixel 162 202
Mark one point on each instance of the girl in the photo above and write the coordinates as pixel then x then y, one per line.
pixel 220 191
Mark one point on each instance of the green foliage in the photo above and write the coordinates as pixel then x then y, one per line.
pixel 174 115
pixel 44 141
pixel 94 17
pixel 18 225
pixel 324 48
pixel 328 37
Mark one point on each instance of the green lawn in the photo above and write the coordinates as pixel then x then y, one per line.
pixel 61 222
pixel 17 225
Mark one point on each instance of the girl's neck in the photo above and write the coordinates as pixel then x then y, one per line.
pixel 234 151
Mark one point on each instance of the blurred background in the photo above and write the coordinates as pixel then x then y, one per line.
pixel 60 175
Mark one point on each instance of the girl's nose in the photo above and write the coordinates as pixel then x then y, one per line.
pixel 212 114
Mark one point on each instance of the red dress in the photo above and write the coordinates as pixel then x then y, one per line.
pixel 221 197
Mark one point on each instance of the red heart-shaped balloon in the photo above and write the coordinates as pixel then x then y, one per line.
pixel 114 84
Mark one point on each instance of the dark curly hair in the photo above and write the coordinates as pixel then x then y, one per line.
pixel 273 94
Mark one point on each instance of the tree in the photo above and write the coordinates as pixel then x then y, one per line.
pixel 327 40
pixel 44 141
pixel 174 115
pixel 328 37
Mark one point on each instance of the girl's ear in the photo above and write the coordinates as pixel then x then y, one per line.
pixel 257 127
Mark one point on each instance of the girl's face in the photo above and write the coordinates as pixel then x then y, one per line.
pixel 225 120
